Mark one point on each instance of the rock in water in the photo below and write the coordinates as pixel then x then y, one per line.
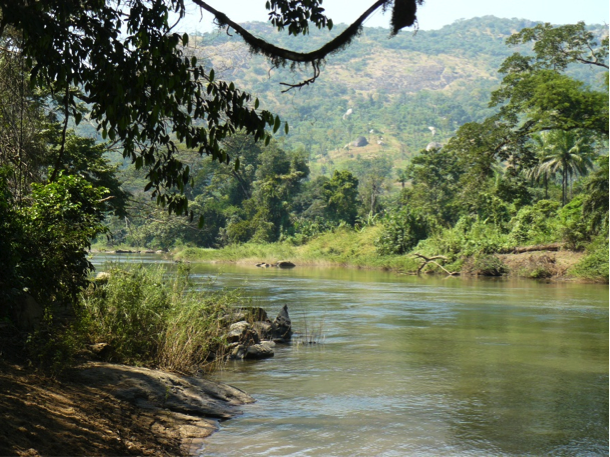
pixel 281 327
pixel 260 351
pixel 285 264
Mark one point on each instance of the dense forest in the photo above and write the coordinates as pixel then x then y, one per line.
pixel 510 152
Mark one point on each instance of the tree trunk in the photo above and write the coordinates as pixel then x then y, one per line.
pixel 563 186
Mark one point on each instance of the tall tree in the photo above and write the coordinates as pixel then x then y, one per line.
pixel 566 153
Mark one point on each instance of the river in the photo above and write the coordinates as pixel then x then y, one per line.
pixel 408 366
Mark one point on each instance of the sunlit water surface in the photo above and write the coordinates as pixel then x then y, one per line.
pixel 407 366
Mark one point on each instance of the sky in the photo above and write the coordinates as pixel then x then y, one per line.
pixel 433 14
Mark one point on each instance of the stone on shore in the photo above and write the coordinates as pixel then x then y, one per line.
pixel 191 405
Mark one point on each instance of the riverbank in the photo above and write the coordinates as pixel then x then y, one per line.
pixel 107 409
pixel 78 384
pixel 349 248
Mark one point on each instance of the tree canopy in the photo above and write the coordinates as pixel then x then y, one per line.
pixel 124 60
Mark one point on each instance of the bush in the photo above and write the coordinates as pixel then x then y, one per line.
pixel 573 227
pixel 403 230
pixel 470 236
pixel 484 265
pixel 45 241
pixel 595 264
pixel 536 224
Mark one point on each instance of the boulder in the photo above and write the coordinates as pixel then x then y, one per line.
pixel 253 314
pixel 101 350
pixel 433 145
pixel 263 329
pixel 241 332
pixel 262 350
pixel 281 327
pixel 360 142
pixel 101 278
pixel 285 264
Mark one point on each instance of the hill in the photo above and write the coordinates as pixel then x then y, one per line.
pixel 400 93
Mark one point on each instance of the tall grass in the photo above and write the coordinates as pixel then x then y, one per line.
pixel 309 329
pixel 148 317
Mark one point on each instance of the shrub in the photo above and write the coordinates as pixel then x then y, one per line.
pixel 535 224
pixel 595 264
pixel 403 230
pixel 470 236
pixel 484 265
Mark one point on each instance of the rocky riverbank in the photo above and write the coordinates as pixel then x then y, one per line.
pixel 99 408
pixel 105 409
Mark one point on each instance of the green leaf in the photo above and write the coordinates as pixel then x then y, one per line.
pixel 276 124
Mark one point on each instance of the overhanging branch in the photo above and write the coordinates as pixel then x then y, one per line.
pixel 279 56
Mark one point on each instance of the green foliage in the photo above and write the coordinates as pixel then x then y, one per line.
pixel 470 236
pixel 482 264
pixel 139 83
pixel 573 226
pixel 85 158
pixel 402 231
pixel 340 196
pixel 47 241
pixel 149 317
pixel 595 264
pixel 595 201
pixel 535 224
pixel 372 176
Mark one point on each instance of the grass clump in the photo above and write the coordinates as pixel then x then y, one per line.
pixel 147 317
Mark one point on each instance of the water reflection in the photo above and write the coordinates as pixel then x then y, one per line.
pixel 426 366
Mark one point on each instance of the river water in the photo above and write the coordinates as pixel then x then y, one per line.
pixel 407 366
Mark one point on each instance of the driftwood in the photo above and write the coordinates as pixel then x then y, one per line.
pixel 427 260
pixel 539 247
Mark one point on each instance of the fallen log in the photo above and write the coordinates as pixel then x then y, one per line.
pixel 537 247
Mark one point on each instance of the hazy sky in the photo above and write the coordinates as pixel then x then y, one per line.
pixel 433 14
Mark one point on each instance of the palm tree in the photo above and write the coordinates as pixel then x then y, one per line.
pixel 563 152
pixel 595 203
pixel 535 174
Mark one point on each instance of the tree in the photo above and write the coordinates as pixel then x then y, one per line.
pixel 595 204
pixel 340 195
pixel 566 153
pixel 434 175
pixel 536 96
pixel 143 89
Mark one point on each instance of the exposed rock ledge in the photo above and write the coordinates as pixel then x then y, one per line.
pixel 190 406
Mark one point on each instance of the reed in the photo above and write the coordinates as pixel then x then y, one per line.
pixel 149 317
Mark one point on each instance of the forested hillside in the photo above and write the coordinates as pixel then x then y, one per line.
pixel 403 92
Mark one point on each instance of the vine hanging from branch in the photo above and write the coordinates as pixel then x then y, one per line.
pixel 403 15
